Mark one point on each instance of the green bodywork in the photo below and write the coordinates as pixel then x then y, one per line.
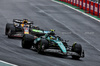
pixel 59 43
pixel 56 41
pixel 36 40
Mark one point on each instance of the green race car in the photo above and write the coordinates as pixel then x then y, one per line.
pixel 52 43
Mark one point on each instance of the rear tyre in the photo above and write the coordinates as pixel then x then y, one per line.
pixel 42 45
pixel 78 49
pixel 8 25
pixel 27 41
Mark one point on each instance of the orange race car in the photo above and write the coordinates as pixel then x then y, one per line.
pixel 19 27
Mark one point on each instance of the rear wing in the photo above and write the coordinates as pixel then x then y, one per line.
pixel 20 21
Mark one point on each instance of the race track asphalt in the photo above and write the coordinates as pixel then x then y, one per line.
pixel 69 24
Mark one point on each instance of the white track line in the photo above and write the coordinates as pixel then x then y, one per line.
pixel 8 63
pixel 77 10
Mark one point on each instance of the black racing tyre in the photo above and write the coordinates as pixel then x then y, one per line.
pixel 27 41
pixel 11 31
pixel 8 25
pixel 42 45
pixel 78 49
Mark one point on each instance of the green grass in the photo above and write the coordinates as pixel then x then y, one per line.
pixel 78 9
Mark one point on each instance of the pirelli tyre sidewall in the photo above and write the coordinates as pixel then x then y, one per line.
pixel 8 25
pixel 27 41
pixel 78 49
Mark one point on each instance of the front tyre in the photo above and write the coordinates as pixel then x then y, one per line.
pixel 8 25
pixel 11 31
pixel 78 49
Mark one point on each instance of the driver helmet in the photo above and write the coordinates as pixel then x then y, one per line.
pixel 25 21
pixel 52 32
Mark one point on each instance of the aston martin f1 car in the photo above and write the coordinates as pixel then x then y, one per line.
pixel 52 43
pixel 19 27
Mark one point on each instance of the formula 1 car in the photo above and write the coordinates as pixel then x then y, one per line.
pixel 52 43
pixel 19 27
